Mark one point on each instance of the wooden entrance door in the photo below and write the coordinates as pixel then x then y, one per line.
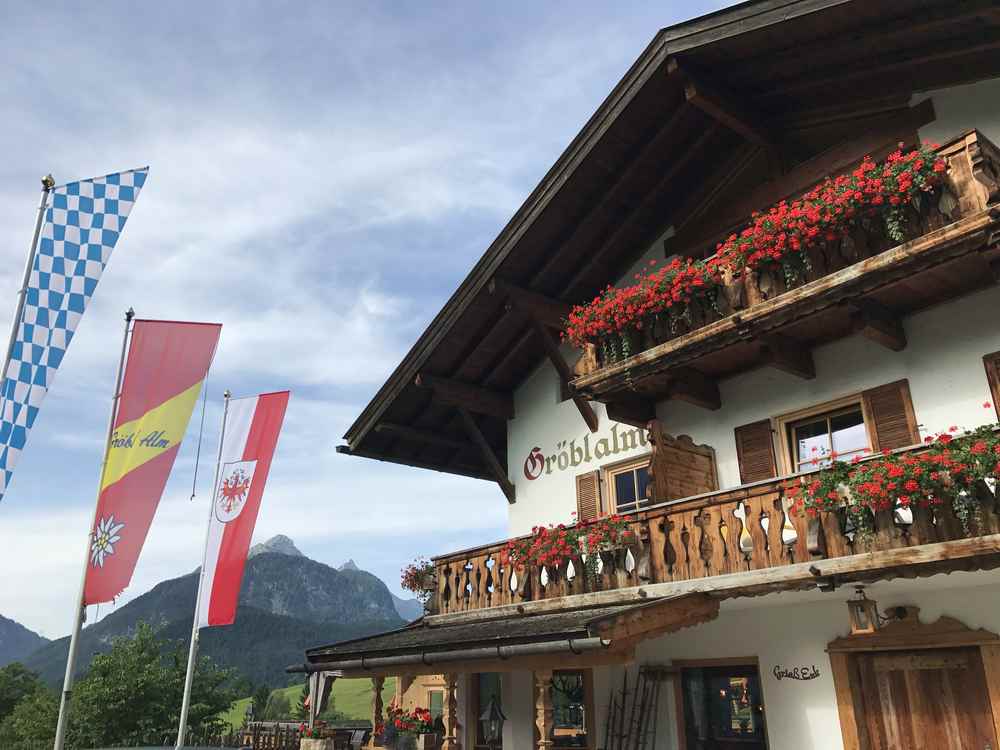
pixel 929 698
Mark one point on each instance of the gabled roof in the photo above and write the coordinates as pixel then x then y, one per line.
pixel 709 110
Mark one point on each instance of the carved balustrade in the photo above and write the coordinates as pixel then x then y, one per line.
pixel 725 532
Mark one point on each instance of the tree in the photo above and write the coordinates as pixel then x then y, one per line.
pixel 32 723
pixel 301 709
pixel 259 699
pixel 278 707
pixel 132 694
pixel 16 683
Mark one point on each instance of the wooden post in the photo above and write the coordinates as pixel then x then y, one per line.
pixel 377 717
pixel 543 708
pixel 452 726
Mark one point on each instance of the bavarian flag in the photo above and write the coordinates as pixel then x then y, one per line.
pixel 166 368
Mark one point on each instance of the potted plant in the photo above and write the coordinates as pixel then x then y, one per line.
pixel 555 546
pixel 418 577
pixel 414 729
pixel 314 737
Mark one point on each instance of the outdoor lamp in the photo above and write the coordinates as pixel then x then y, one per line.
pixel 492 720
pixel 864 614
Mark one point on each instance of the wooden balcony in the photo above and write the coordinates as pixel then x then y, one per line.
pixel 736 542
pixel 859 284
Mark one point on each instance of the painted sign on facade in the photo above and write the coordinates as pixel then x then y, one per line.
pixel 577 451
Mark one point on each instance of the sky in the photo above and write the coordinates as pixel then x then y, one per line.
pixel 320 183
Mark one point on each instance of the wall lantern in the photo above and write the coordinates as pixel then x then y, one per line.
pixel 492 720
pixel 864 613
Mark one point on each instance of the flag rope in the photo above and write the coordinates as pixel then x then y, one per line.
pixel 193 648
pixel 201 433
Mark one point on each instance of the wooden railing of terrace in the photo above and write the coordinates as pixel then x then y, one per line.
pixel 750 528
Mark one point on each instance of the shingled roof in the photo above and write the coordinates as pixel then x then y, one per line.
pixel 424 637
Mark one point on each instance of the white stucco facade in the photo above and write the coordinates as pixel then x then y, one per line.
pixel 784 630
pixel 943 363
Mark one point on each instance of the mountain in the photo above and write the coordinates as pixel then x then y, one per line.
pixel 16 641
pixel 408 609
pixel 280 544
pixel 287 603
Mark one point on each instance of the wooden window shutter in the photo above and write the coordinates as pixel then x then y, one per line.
pixel 755 451
pixel 992 362
pixel 588 496
pixel 889 412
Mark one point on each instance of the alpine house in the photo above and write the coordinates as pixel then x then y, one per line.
pixel 734 366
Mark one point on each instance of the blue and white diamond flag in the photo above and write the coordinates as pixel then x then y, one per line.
pixel 83 222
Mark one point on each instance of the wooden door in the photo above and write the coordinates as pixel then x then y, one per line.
pixel 930 698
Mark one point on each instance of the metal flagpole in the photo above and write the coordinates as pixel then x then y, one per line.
pixel 47 184
pixel 193 650
pixel 74 639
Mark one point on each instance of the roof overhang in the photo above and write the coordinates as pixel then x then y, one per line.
pixel 595 636
pixel 669 147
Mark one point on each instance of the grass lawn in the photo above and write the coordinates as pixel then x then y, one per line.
pixel 350 697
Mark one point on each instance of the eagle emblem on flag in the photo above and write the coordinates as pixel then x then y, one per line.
pixel 234 488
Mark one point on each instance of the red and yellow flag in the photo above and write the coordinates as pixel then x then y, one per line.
pixel 166 368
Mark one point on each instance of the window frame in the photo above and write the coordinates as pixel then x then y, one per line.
pixel 610 471
pixel 786 422
pixel 739 662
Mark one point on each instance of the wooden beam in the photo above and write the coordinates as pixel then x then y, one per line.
pixel 565 375
pixel 687 384
pixel 658 618
pixel 643 157
pixel 472 397
pixel 452 467
pixel 627 222
pixel 892 62
pixel 789 356
pixel 634 410
pixel 879 324
pixel 489 455
pixel 723 106
pixel 695 238
pixel 550 312
pixel 416 435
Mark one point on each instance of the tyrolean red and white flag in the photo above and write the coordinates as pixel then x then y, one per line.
pixel 251 434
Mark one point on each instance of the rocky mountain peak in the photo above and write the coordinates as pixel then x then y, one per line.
pixel 349 565
pixel 280 544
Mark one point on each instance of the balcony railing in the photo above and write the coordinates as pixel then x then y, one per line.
pixel 750 528
pixel 861 267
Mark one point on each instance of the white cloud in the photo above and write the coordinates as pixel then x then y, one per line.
pixel 317 181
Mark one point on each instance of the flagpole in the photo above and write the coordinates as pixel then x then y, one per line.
pixel 74 639
pixel 47 184
pixel 193 649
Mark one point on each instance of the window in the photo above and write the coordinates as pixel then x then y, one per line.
pixel 815 439
pixel 570 699
pixel 435 703
pixel 628 484
pixel 723 707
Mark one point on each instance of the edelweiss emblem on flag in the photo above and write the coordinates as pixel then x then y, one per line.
pixel 104 538
pixel 234 489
